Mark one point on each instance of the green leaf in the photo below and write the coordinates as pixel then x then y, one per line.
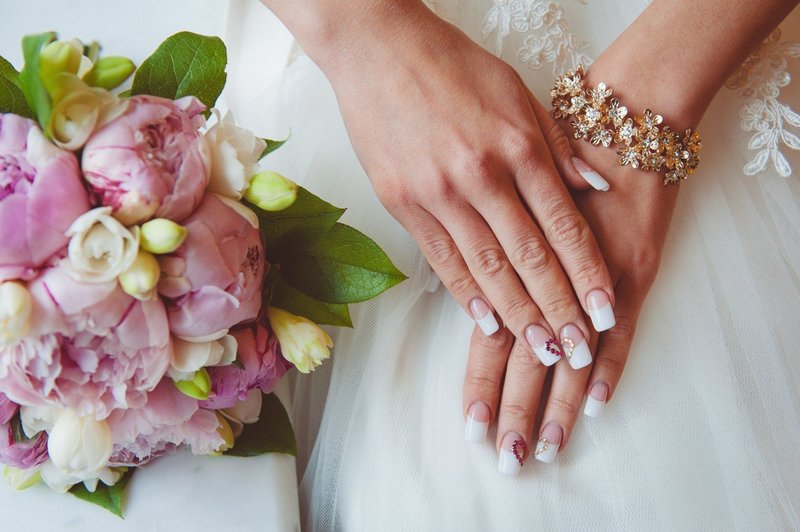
pixel 344 266
pixel 108 497
pixel 12 100
pixel 272 145
pixel 185 64
pixel 287 297
pixel 272 433
pixel 7 71
pixel 29 81
pixel 288 231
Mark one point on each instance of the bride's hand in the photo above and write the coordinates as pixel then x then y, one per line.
pixel 447 136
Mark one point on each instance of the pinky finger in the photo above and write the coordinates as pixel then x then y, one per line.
pixel 612 353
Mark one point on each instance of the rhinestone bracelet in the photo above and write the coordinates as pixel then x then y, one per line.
pixel 601 120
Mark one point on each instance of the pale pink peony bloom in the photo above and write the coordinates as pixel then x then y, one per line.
pixel 41 194
pixel 96 348
pixel 170 420
pixel 151 161
pixel 213 281
pixel 23 454
pixel 260 366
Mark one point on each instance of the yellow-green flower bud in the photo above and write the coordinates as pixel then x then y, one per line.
pixel 141 279
pixel 21 479
pixel 161 236
pixel 59 57
pixel 271 191
pixel 109 72
pixel 303 343
pixel 16 306
pixel 197 387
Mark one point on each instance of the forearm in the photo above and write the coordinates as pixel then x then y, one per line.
pixel 678 53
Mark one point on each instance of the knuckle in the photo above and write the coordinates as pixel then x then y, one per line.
pixel 589 272
pixel 482 384
pixel 532 255
pixel 568 230
pixel 562 305
pixel 394 195
pixel 442 188
pixel 461 283
pixel 623 330
pixel 517 410
pixel 644 264
pixel 442 250
pixel 521 146
pixel 565 405
pixel 485 177
pixel 498 343
pixel 490 261
pixel 518 312
pixel 524 361
pixel 611 364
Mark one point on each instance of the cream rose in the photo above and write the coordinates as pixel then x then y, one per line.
pixel 100 248
pixel 234 156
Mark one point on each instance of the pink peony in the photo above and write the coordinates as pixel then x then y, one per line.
pixel 41 194
pixel 151 161
pixel 96 349
pixel 260 365
pixel 213 281
pixel 23 454
pixel 169 420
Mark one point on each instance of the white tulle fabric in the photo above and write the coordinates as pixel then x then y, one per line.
pixel 703 432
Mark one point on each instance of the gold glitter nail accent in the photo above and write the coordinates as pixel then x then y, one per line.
pixel 569 347
pixel 541 447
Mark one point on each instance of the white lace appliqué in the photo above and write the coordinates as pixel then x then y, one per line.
pixel 759 80
pixel 548 40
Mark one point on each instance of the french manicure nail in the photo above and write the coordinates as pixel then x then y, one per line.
pixel 590 176
pixel 600 310
pixel 596 400
pixel 545 346
pixel 483 316
pixel 512 454
pixel 575 348
pixel 477 422
pixel 548 444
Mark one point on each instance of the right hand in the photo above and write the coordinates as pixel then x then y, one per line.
pixel 453 148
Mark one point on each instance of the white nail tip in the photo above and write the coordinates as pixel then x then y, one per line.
pixel 546 451
pixel 508 464
pixel 603 318
pixel 595 180
pixel 581 356
pixel 593 407
pixel 475 431
pixel 488 324
pixel 547 358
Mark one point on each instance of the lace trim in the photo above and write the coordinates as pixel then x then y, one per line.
pixel 759 81
pixel 548 40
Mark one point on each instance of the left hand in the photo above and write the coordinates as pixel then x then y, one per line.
pixel 630 222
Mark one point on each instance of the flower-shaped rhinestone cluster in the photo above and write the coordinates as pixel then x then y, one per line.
pixel 602 120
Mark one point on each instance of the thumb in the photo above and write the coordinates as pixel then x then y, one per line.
pixel 577 175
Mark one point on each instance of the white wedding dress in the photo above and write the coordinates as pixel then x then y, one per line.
pixel 704 430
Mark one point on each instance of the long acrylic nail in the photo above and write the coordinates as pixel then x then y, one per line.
pixel 548 444
pixel 590 176
pixel 600 310
pixel 543 344
pixel 575 347
pixel 483 316
pixel 512 454
pixel 596 400
pixel 477 422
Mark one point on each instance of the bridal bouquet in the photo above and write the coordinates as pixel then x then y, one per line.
pixel 155 283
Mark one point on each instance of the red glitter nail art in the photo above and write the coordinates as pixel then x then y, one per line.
pixel 518 448
pixel 552 347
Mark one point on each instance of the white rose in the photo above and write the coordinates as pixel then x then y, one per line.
pixel 16 306
pixel 189 357
pixel 100 248
pixel 79 446
pixel 234 156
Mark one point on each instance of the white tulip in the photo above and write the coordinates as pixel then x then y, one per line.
pixel 16 306
pixel 61 482
pixel 234 156
pixel 189 357
pixel 303 343
pixel 161 236
pixel 247 411
pixel 141 279
pixel 36 419
pixel 79 445
pixel 100 248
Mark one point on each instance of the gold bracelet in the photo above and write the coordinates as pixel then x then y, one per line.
pixel 601 120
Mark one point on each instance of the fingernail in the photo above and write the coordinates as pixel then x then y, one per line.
pixel 590 176
pixel 548 444
pixel 600 310
pixel 477 422
pixel 545 346
pixel 596 400
pixel 512 454
pixel 483 316
pixel 575 348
